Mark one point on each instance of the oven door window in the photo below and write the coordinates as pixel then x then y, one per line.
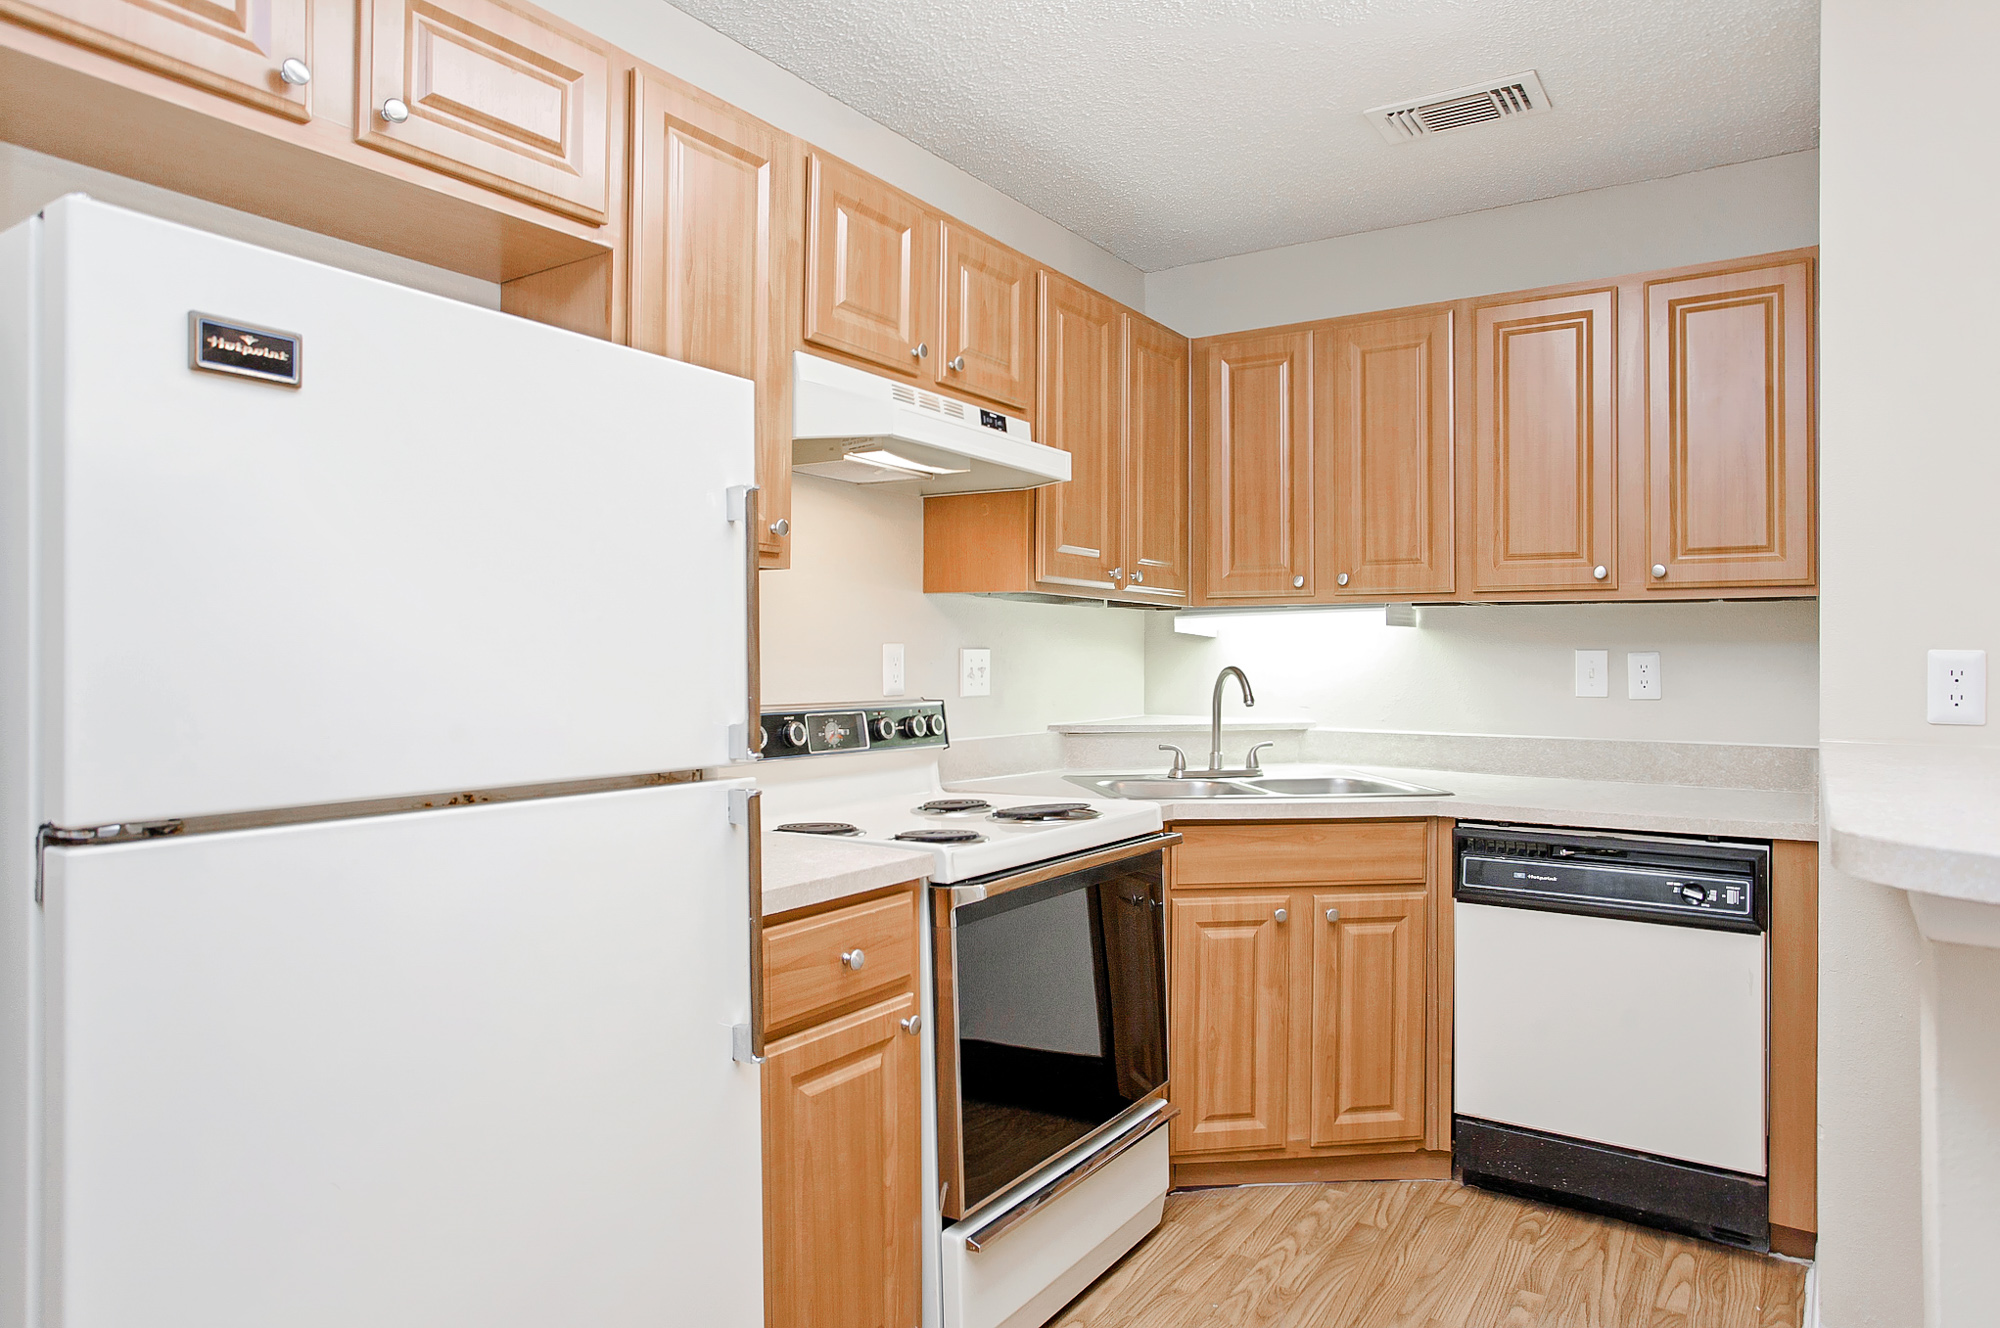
pixel 1062 1019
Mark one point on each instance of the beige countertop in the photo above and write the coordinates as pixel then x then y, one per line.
pixel 1919 818
pixel 803 870
pixel 1582 803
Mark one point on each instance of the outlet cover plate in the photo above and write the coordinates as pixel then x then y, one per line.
pixel 892 670
pixel 975 673
pixel 1957 693
pixel 1643 675
pixel 1593 673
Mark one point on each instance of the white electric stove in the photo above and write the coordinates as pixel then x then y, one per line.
pixel 1044 985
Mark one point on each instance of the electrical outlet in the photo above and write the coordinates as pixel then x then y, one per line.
pixel 975 673
pixel 1593 673
pixel 1957 687
pixel 1643 670
pixel 892 670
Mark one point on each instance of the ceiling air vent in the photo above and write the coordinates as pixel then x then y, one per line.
pixel 1462 108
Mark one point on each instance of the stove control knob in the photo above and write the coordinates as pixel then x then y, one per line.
pixel 916 726
pixel 885 727
pixel 795 733
pixel 937 726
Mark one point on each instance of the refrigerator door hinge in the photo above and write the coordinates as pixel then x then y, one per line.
pixel 118 832
pixel 736 502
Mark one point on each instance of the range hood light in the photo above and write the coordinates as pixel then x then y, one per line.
pixel 882 456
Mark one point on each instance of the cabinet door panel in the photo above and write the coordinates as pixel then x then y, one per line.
pixel 1729 445
pixel 715 244
pixel 1230 992
pixel 986 343
pixel 1253 508
pixel 842 1176
pixel 495 96
pixel 1076 522
pixel 1156 461
pixel 1544 450
pixel 234 49
pixel 1368 985
pixel 871 268
pixel 1384 433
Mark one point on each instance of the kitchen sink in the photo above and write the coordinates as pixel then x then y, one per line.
pixel 1345 784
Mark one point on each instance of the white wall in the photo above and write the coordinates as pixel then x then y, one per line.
pixel 856 581
pixel 1754 207
pixel 1732 672
pixel 1908 469
pixel 688 49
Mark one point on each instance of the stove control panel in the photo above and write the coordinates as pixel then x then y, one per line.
pixel 826 730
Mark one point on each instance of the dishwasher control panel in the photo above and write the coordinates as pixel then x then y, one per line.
pixel 1699 883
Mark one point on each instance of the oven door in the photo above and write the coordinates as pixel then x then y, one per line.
pixel 1051 1012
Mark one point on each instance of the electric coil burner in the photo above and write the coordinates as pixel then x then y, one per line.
pixel 953 807
pixel 1049 811
pixel 941 837
pixel 841 828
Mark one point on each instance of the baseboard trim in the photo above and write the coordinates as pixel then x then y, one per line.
pixel 1305 1170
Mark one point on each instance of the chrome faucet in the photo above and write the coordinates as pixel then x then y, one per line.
pixel 1215 711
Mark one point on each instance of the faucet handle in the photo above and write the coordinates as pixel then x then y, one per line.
pixel 1180 760
pixel 1250 761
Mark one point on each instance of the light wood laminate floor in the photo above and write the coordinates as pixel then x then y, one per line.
pixel 1424 1254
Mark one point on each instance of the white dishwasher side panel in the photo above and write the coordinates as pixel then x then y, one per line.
pixel 1634 1034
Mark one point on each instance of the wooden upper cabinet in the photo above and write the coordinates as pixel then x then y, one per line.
pixel 232 49
pixel 1369 980
pixel 986 331
pixel 1253 466
pixel 871 269
pixel 495 95
pixel 1383 435
pixel 714 259
pixel 1077 532
pixel 1729 428
pixel 1230 995
pixel 1155 455
pixel 843 1178
pixel 1544 449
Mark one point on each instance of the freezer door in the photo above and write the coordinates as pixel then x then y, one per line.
pixel 458 1067
pixel 468 551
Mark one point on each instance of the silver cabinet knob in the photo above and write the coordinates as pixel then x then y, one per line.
pixel 914 1024
pixel 395 110
pixel 1659 571
pixel 1117 573
pixel 782 527
pixel 1298 583
pixel 921 349
pixel 1280 914
pixel 956 362
pixel 852 960
pixel 1138 578
pixel 1340 580
pixel 1333 915
pixel 1600 572
pixel 294 72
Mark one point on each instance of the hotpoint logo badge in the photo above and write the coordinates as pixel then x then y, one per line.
pixel 245 352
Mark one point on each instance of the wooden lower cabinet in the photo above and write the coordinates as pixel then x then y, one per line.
pixel 843 1107
pixel 1301 1000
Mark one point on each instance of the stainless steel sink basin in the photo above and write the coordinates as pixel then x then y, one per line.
pixel 1344 785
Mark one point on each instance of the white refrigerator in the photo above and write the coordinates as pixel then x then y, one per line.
pixel 368 954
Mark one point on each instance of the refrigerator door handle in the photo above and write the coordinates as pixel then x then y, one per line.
pixel 746 742
pixel 746 808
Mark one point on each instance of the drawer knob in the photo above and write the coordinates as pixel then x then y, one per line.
pixel 295 72
pixel 914 1024
pixel 852 960
pixel 1280 914
pixel 1333 915
pixel 395 110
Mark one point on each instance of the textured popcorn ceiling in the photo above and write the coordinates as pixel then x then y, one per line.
pixel 1171 132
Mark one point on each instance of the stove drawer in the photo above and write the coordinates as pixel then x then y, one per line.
pixel 832 961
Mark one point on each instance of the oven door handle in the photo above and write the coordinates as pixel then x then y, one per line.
pixel 1154 1115
pixel 960 895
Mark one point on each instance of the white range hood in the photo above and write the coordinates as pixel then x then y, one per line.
pixel 849 424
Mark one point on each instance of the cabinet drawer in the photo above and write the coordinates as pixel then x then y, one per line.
pixel 1324 852
pixel 804 974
